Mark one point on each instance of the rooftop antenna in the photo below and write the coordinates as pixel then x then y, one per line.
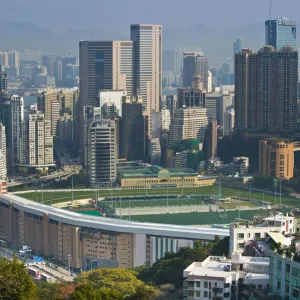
pixel 270 23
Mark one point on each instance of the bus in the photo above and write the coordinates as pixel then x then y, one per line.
pixel 33 272
pixel 3 244
pixel 45 277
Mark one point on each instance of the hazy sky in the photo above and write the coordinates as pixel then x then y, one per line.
pixel 116 15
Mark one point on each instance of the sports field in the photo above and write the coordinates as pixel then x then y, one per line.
pixel 94 213
pixel 207 218
pixel 154 203
pixel 57 197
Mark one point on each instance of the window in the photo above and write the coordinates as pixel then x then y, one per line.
pixel 259 286
pixel 197 294
pixel 240 236
pixel 278 284
pixel 198 284
pixel 205 294
pixel 226 295
pixel 226 285
pixel 205 284
pixel 240 245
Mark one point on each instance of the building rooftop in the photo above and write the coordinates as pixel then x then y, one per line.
pixel 218 266
pixel 155 171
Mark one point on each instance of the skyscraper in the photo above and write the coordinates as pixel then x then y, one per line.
pixel 49 62
pixel 228 124
pixel 211 139
pixel 3 165
pixel 39 140
pixel 147 64
pixel 102 152
pixel 14 59
pixel 281 33
pixel 48 104
pixel 17 122
pixel 237 45
pixel 195 63
pixel 266 90
pixel 103 65
pixel 132 129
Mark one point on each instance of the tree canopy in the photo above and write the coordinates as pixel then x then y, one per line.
pixel 15 282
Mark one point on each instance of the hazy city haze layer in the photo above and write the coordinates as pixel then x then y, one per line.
pixel 115 15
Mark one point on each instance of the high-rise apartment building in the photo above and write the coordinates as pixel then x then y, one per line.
pixel 5 116
pixel 3 165
pixel 147 64
pixel 102 152
pixel 132 129
pixel 4 59
pixel 165 119
pixel 195 63
pixel 14 59
pixel 39 140
pixel 211 139
pixel 237 45
pixel 17 139
pixel 276 159
pixel 266 90
pixel 188 123
pixel 48 104
pixel 103 65
pixel 281 33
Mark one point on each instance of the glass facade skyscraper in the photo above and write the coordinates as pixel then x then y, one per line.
pixel 237 45
pixel 281 33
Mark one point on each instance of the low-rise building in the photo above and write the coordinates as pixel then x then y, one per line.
pixel 155 177
pixel 243 233
pixel 220 278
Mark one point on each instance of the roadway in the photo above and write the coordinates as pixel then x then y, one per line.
pixel 58 273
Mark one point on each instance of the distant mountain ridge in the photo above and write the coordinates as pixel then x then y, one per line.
pixel 214 43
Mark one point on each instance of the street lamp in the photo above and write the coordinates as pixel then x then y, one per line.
pixel 69 265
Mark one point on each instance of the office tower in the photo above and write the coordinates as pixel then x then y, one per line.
pixel 171 103
pixel 211 139
pixel 114 97
pixel 195 63
pixel 237 45
pixel 188 123
pixel 58 71
pixel 3 80
pixel 17 138
pixel 102 152
pixel 193 96
pixel 281 33
pixel 39 140
pixel 266 90
pixel 48 104
pixel 170 61
pixel 67 99
pixel 212 104
pixel 132 129
pixel 147 62
pixel 103 65
pixel 49 62
pixel 165 119
pixel 3 164
pixel 276 158
pixel 14 59
pixel 228 121
pixel 155 151
pixel 155 123
pixel 4 59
